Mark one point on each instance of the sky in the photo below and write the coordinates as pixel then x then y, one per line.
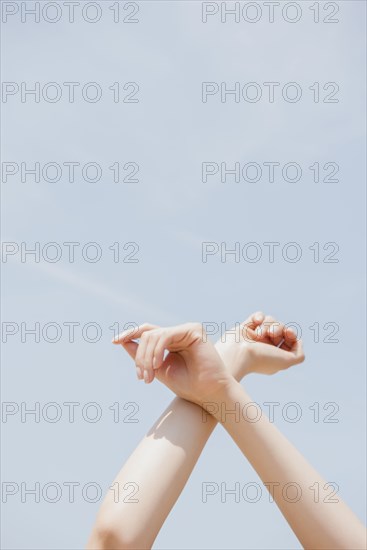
pixel 128 115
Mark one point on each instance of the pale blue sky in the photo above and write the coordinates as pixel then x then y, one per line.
pixel 169 213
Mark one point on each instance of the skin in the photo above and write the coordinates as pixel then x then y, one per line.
pixel 195 371
pixel 175 442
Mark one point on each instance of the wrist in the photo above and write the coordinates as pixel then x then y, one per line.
pixel 238 358
pixel 227 404
pixel 222 393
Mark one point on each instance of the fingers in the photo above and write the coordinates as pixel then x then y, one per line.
pixel 133 333
pixel 148 354
pixel 290 340
pixel 275 332
pixel 290 337
pixel 254 320
pixel 249 326
pixel 158 354
pixel 142 352
pixel 297 351
pixel 175 339
pixel 132 348
pixel 286 339
pixel 145 368
pixel 292 349
pixel 263 332
pixel 149 360
pixel 300 354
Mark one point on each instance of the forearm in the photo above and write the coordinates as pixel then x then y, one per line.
pixel 321 525
pixel 160 467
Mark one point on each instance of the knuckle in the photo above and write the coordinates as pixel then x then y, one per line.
pixel 199 331
pixel 300 359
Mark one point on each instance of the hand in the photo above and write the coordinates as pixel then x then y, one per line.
pixel 192 369
pixel 252 346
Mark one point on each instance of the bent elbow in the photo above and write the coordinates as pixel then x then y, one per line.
pixel 108 534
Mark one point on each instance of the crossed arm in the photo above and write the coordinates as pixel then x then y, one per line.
pixel 160 466
pixel 163 461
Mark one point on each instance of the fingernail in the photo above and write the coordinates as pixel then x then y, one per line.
pixel 139 373
pixel 116 339
pixel 146 376
pixel 154 362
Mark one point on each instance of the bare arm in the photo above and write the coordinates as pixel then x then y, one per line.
pixel 195 371
pixel 322 524
pixel 162 463
pixel 160 467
